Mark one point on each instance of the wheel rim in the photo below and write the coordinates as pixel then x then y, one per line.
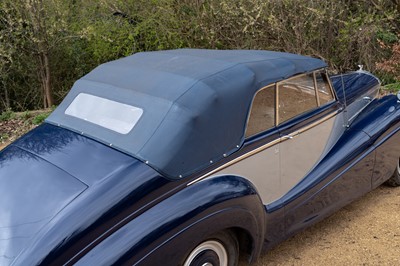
pixel 209 253
pixel 398 167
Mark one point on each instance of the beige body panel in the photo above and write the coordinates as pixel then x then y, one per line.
pixel 301 153
pixel 275 170
pixel 261 169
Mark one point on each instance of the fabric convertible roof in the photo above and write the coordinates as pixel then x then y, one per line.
pixel 195 102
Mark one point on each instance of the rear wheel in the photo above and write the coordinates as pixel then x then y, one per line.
pixel 221 249
pixel 394 181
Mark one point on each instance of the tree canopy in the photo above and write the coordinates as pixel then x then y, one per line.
pixel 45 45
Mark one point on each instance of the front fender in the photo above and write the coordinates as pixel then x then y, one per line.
pixel 380 118
pixel 168 231
pixel 381 121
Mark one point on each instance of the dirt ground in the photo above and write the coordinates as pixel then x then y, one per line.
pixel 366 232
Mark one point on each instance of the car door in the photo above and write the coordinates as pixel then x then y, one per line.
pixel 259 159
pixel 305 129
pixel 309 129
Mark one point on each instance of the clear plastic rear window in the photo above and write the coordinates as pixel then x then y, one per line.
pixel 106 113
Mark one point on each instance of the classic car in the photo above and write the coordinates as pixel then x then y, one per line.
pixel 193 157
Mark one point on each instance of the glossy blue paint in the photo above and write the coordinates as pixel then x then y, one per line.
pixel 379 118
pixel 354 85
pixel 70 215
pixel 77 155
pixel 343 175
pixel 33 191
pixel 120 192
pixel 170 229
pixel 363 158
pixel 381 121
pixel 69 199
pixel 344 151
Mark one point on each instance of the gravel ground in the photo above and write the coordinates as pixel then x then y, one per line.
pixel 366 232
pixel 2 145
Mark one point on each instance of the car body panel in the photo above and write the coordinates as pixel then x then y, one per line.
pixel 284 164
pixel 137 207
pixel 354 86
pixel 77 155
pixel 295 162
pixel 35 192
pixel 217 203
pixel 266 180
pixel 346 172
pixel 117 186
pixel 381 120
pixel 333 186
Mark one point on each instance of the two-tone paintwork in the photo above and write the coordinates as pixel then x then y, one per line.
pixel 72 200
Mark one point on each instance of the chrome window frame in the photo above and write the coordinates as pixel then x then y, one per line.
pixel 279 139
pixel 251 108
pixel 316 88
pixel 260 149
pixel 277 93
pixel 323 71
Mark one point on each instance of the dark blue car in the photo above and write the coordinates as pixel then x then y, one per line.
pixel 193 157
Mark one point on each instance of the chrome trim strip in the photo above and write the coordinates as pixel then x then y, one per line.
pixel 308 127
pixel 263 147
pixel 318 122
pixel 316 89
pixel 331 86
pixel 276 104
pixel 238 159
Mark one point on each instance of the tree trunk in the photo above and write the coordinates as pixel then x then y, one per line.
pixel 6 101
pixel 45 78
pixel 47 82
pixel 37 15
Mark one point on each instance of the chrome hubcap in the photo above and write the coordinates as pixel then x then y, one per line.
pixel 210 246
pixel 398 167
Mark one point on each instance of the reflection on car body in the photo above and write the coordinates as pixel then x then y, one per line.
pixel 192 157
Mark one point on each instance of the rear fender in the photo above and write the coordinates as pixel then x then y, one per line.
pixel 169 230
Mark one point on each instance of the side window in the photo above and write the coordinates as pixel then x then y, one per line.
pixel 262 113
pixel 324 91
pixel 296 96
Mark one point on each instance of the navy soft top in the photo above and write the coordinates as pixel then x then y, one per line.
pixel 195 102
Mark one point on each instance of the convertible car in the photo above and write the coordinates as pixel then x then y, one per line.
pixel 193 157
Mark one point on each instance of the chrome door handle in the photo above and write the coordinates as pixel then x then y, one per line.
pixel 287 137
pixel 290 136
pixel 367 98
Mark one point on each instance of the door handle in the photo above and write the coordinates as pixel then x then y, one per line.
pixel 287 137
pixel 290 136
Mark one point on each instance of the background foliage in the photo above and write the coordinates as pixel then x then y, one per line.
pixel 45 45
